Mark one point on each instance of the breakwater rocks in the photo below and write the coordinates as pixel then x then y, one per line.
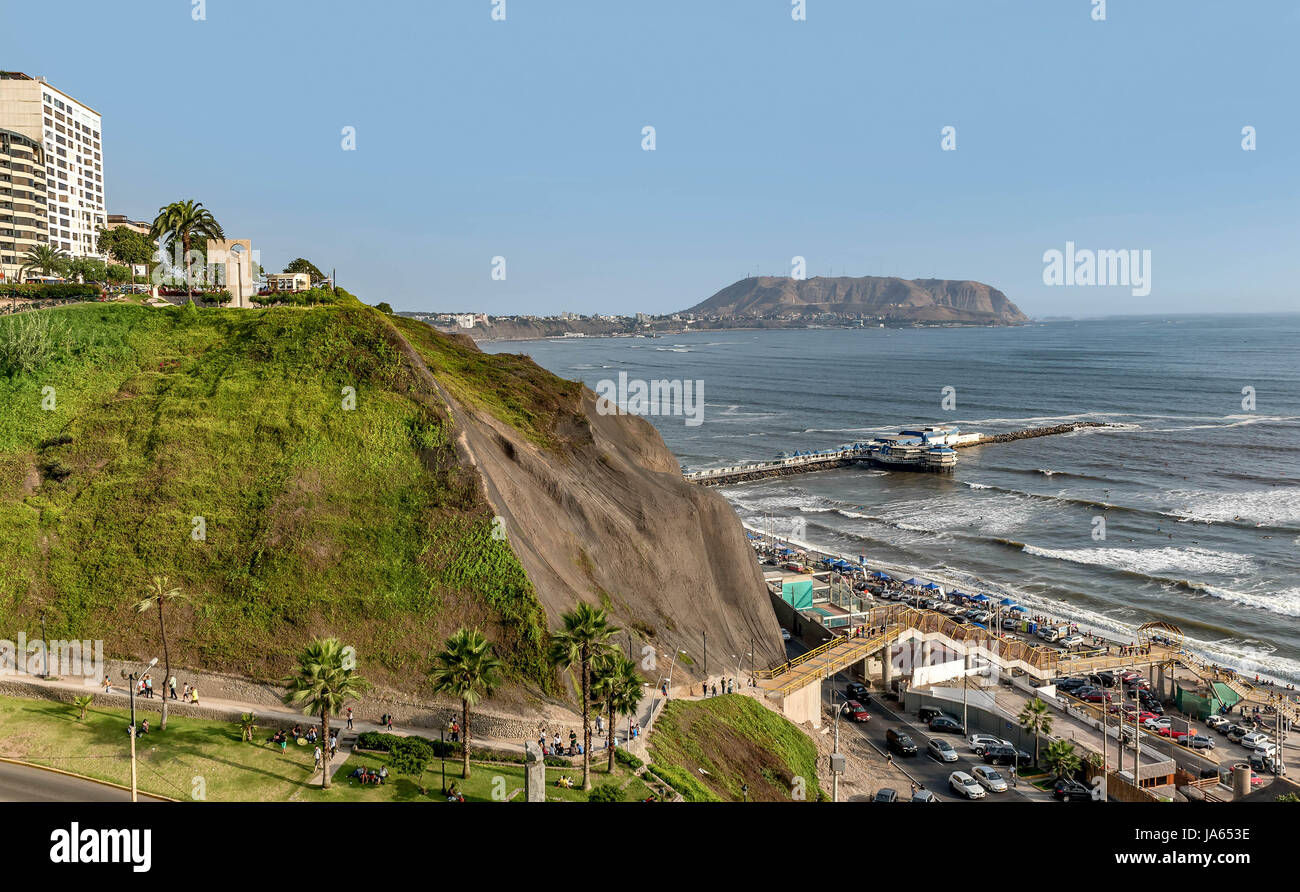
pixel 1030 433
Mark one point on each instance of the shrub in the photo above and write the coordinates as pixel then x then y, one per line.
pixel 623 757
pixel 409 755
pixel 27 343
pixel 309 298
pixel 606 792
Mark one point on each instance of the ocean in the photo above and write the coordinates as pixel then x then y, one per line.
pixel 1198 486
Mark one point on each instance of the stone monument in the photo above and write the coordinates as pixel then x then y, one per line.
pixel 534 773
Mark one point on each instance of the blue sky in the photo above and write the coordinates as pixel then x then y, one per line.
pixel 774 138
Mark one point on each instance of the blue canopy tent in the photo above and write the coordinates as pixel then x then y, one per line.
pixel 932 586
pixel 1019 609
pixel 980 597
pixel 880 574
pixel 913 581
pixel 1007 602
pixel 785 551
pixel 956 594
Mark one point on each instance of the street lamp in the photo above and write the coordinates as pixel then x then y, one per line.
pixel 836 756
pixel 131 692
pixel 442 751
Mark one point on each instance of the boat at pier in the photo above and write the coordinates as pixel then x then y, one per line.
pixel 917 449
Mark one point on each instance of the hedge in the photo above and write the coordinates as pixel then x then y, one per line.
pixel 382 742
pixel 50 291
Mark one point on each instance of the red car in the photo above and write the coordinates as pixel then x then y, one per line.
pixel 1096 697
pixel 1175 735
pixel 856 711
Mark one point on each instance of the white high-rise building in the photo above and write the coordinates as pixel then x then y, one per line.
pixel 74 159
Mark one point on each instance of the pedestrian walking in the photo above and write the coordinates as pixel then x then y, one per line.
pixel 349 718
pixel 318 759
pixel 390 721
pixel 715 689
pixel 171 686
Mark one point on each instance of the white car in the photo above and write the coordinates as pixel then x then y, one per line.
pixel 1267 749
pixel 1254 741
pixel 980 742
pixel 1215 721
pixel 963 783
pixel 1157 723
pixel 1071 641
pixel 785 634
pixel 941 750
pixel 987 776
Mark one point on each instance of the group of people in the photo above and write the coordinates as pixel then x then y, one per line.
pixel 367 776
pixel 144 688
pixel 555 746
pixel 728 687
pixel 281 738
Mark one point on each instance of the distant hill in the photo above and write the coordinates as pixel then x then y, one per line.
pixel 916 300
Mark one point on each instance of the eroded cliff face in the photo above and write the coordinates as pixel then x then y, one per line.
pixel 609 520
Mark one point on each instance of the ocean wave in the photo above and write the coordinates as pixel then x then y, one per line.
pixel 1153 562
pixel 1278 508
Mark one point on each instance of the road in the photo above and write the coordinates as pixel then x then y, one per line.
pixel 856 739
pixel 20 783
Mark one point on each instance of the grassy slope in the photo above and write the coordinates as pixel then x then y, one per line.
pixel 318 519
pixel 737 741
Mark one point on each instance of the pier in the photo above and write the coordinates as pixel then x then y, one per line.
pixel 844 456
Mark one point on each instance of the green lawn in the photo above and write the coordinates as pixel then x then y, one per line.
pixel 201 754
pixel 487 783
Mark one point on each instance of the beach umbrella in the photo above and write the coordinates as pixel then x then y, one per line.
pixel 1006 602
pixel 980 597
pixel 1019 609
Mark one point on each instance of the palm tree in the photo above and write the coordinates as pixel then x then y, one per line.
pixel 248 725
pixel 466 669
pixel 160 594
pixel 616 684
pixel 1036 717
pixel 185 220
pixel 45 259
pixel 82 703
pixel 1062 758
pixel 582 641
pixel 323 682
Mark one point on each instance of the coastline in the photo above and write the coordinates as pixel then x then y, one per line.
pixel 1105 628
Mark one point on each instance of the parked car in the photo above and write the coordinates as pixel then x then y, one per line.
pixel 1103 679
pixel 981 616
pixel 1199 742
pixel 886 795
pixel 1157 724
pixel 1071 641
pixel 785 634
pixel 979 742
pixel 899 742
pixel 1095 696
pixel 925 713
pixel 1006 755
pixel 1176 736
pixel 988 778
pixel 924 796
pixel 963 783
pixel 1067 790
pixel 941 750
pixel 855 691
pixel 1216 721
pixel 1253 740
pixel 856 711
pixel 1010 622
pixel 1238 733
pixel 942 724
pixel 1070 684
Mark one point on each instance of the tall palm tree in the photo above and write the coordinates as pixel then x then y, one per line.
pixel 160 594
pixel 583 640
pixel 1036 717
pixel 184 220
pixel 466 669
pixel 322 683
pixel 617 685
pixel 1062 758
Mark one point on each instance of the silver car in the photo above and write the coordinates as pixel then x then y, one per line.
pixel 963 783
pixel 988 778
pixel 942 750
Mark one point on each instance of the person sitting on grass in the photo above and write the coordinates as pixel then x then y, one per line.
pixel 144 726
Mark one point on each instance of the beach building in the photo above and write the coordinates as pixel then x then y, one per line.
pixel 277 282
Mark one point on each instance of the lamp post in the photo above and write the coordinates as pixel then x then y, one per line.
pixel 835 775
pixel 131 692
pixel 442 752
pixel 45 647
